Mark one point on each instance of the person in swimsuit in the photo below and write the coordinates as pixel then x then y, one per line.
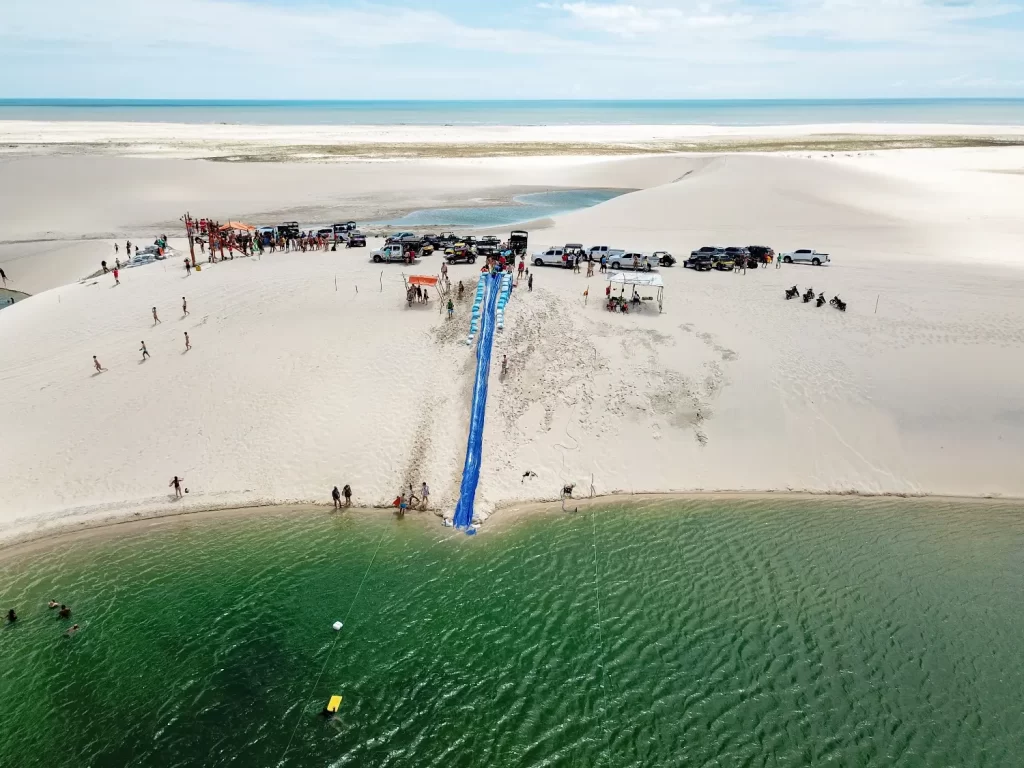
pixel 403 504
pixel 188 344
pixel 144 351
pixel 64 612
pixel 96 364
pixel 11 616
pixel 156 319
pixel 184 307
pixel 72 630
pixel 52 604
pixel 176 483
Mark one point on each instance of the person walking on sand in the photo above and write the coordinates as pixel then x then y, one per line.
pixel 96 364
pixel 144 351
pixel 336 497
pixel 188 344
pixel 156 319
pixel 504 364
pixel 451 309
pixel 184 307
pixel 347 493
pixel 128 248
pixel 529 284
pixel 117 280
pixel 188 267
pixel 176 484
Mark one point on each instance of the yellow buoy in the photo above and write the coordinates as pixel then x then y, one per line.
pixel 334 703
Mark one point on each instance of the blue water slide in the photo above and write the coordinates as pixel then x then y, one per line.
pixel 474 447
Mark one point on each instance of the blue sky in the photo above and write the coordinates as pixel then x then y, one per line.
pixel 362 49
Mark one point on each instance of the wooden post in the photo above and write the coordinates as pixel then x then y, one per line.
pixel 191 239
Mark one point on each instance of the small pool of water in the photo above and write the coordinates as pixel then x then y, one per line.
pixel 535 205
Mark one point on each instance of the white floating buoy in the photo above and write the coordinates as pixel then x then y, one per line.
pixel 337 626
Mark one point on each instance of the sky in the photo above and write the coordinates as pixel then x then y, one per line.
pixel 511 49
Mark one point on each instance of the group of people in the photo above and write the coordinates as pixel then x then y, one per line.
pixel 406 501
pixel 63 614
pixel 144 349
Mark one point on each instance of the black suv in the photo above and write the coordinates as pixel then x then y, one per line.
pixel 702 262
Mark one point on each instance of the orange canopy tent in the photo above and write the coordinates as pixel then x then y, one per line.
pixel 424 280
pixel 237 225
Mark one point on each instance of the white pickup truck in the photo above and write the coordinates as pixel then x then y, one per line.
pixel 641 262
pixel 394 252
pixel 552 257
pixel 804 256
pixel 603 250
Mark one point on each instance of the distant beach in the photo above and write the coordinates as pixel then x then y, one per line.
pixel 720 112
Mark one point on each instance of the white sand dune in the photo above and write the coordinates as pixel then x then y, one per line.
pixel 293 386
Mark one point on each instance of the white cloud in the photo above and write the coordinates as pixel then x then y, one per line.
pixel 552 49
pixel 881 21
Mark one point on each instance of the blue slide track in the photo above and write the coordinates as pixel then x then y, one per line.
pixel 474 448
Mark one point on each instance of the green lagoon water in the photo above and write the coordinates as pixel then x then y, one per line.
pixel 704 633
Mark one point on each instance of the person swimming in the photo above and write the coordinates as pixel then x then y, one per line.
pixel 12 616
pixel 72 629
pixel 64 613
pixel 52 604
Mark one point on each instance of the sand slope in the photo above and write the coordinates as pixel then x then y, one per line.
pixel 293 386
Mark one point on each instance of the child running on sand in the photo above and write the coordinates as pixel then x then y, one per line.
pixel 96 364
pixel 144 351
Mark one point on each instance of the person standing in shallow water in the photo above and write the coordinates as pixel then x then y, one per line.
pixel 347 493
pixel 11 616
pixel 336 497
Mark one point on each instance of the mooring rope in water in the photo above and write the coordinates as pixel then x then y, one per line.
pixel 334 645
pixel 600 639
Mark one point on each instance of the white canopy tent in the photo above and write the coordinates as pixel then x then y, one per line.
pixel 642 279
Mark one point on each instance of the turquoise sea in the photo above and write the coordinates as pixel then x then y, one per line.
pixel 728 632
pixel 695 112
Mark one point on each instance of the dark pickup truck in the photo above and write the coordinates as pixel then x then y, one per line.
pixel 702 262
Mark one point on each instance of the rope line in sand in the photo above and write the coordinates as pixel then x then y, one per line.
pixel 334 645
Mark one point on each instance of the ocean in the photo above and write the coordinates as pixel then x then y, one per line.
pixel 698 112
pixel 842 631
